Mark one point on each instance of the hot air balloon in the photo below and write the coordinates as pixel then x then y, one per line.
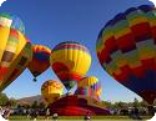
pixel 97 89
pixel 75 105
pixel 66 61
pixel 15 49
pixel 87 81
pixel 40 61
pixel 89 86
pixel 126 49
pixel 51 90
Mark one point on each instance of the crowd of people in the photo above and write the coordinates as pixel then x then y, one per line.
pixel 4 113
pixel 33 114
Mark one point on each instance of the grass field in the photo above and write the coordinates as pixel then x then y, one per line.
pixel 97 118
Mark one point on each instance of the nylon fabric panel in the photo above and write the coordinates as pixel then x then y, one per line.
pixel 4 34
pixel 126 50
pixel 87 81
pixel 73 60
pixel 40 61
pixel 51 90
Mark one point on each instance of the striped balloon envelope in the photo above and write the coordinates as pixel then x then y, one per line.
pixel 40 61
pixel 87 81
pixel 15 49
pixel 126 49
pixel 70 61
pixel 89 86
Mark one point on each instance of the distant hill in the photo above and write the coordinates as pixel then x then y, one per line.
pixel 30 100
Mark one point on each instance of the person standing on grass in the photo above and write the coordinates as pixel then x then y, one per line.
pixel 1 111
pixel 28 113
pixel 47 114
pixel 7 111
pixel 55 117
pixel 1 117
pixel 34 115
pixel 87 117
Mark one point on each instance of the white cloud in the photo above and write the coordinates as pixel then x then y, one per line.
pixel 153 1
pixel 2 1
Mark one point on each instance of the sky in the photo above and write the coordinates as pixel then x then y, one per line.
pixel 50 22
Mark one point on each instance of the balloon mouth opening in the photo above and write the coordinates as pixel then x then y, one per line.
pixel 35 80
pixel 69 84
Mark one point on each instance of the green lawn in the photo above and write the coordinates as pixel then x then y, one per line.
pixel 96 118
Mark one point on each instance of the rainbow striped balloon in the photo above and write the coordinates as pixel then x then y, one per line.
pixel 126 48
pixel 15 49
pixel 89 86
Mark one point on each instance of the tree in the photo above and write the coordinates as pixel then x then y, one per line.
pixel 119 105
pixel 143 104
pixel 107 104
pixel 34 104
pixel 12 102
pixel 136 102
pixel 41 105
pixel 3 99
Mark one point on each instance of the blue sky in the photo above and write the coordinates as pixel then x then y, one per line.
pixel 50 22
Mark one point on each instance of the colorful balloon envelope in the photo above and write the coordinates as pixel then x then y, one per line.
pixel 126 48
pixel 89 86
pixel 74 111
pixel 87 81
pixel 15 49
pixel 70 61
pixel 51 90
pixel 97 89
pixel 40 61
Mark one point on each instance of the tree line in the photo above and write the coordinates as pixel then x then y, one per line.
pixel 121 105
pixel 4 100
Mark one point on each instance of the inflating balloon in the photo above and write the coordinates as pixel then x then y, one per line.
pixel 97 89
pixel 87 81
pixel 77 105
pixel 15 49
pixel 51 90
pixel 89 86
pixel 126 48
pixel 40 61
pixel 70 61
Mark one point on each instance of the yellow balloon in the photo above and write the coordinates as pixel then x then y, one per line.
pixel 89 86
pixel 70 61
pixel 99 92
pixel 88 81
pixel 15 49
pixel 51 90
